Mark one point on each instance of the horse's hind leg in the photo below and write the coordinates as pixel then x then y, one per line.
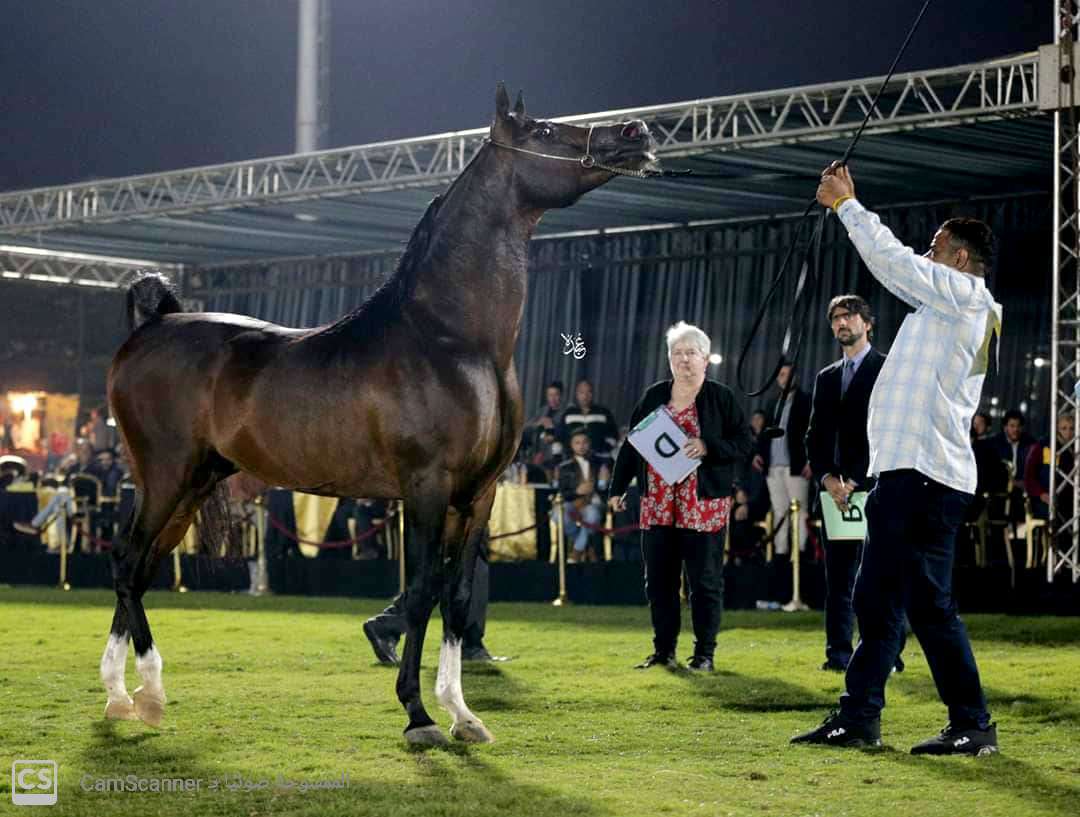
pixel 467 530
pixel 157 526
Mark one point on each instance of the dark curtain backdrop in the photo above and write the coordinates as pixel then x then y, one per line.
pixel 621 292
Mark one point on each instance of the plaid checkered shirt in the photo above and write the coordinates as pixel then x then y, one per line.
pixel 928 390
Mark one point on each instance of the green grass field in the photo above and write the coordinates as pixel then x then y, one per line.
pixel 286 687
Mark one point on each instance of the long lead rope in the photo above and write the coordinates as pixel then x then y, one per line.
pixel 796 328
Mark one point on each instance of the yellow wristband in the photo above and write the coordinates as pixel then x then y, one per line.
pixel 836 204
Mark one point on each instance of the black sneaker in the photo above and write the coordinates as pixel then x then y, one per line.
pixel 658 660
pixel 384 646
pixel 954 741
pixel 840 730
pixel 834 666
pixel 700 663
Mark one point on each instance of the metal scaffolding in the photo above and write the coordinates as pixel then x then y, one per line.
pixel 1059 64
pixel 79 269
pixel 985 91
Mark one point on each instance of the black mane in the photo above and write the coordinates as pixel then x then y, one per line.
pixel 384 305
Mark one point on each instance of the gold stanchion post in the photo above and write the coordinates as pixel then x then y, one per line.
pixel 178 579
pixel 63 584
pixel 609 524
pixel 796 602
pixel 560 550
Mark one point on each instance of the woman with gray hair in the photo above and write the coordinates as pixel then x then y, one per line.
pixel 682 523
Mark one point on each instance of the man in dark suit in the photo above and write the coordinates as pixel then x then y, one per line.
pixel 839 453
pixel 783 459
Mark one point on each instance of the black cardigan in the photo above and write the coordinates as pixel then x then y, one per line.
pixel 723 428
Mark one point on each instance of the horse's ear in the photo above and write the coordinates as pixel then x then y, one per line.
pixel 519 106
pixel 502 129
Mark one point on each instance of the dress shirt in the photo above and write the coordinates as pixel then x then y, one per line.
pixel 928 390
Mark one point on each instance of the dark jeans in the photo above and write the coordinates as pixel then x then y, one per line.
pixel 664 551
pixel 841 566
pixel 907 565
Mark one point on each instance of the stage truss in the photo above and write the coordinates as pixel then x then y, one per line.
pixel 1061 63
pixel 988 91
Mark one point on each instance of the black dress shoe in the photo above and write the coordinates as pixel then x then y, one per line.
pixel 384 646
pixel 953 741
pixel 700 663
pixel 658 660
pixel 834 666
pixel 839 730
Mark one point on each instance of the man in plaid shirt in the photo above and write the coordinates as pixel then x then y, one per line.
pixel 920 411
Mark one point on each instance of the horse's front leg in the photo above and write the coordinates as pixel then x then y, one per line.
pixel 423 543
pixel 456 603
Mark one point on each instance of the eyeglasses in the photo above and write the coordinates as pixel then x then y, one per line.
pixel 687 353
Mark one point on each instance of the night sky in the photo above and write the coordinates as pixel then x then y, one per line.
pixel 116 87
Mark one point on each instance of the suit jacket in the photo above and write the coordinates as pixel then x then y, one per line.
pixel 798 420
pixel 1002 448
pixel 838 424
pixel 723 429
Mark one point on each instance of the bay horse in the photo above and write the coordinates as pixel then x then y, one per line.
pixel 411 396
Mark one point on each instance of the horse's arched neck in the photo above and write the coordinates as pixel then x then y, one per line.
pixel 470 286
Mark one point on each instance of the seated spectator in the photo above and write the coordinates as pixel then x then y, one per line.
pixel 546 419
pixel 980 426
pixel 80 461
pixel 1010 449
pixel 746 534
pixel 580 478
pixel 597 420
pixel 1037 470
pixel 758 421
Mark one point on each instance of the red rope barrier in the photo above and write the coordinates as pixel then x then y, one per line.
pixel 576 516
pixel 342 543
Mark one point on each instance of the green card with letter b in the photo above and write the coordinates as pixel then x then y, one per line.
pixel 849 524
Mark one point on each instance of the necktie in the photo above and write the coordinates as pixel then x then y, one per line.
pixel 846 376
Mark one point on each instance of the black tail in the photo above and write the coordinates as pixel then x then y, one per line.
pixel 150 296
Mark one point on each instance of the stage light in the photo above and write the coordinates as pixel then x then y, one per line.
pixel 1039 362
pixel 23 403
pixel 716 358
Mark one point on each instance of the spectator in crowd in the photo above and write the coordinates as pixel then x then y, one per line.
pixel 920 452
pixel 839 453
pixel 783 459
pixel 597 420
pixel 548 415
pixel 97 430
pixel 580 479
pixel 62 503
pixel 980 426
pixel 747 510
pixel 1011 444
pixel 106 469
pixel 1037 471
pixel 758 421
pixel 682 525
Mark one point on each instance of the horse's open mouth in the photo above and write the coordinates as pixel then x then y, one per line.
pixel 634 160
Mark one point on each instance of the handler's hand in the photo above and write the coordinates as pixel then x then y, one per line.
pixel 617 503
pixel 839 491
pixel 758 463
pixel 836 181
pixel 694 447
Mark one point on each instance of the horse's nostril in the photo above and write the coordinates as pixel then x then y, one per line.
pixel 631 131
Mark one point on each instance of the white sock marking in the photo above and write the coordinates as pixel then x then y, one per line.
pixel 113 661
pixel 448 683
pixel 149 667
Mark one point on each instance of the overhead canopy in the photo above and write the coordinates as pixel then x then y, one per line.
pixel 951 133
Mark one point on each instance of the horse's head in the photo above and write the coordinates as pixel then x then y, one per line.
pixel 555 163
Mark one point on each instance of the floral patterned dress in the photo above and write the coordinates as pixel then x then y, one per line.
pixel 679 505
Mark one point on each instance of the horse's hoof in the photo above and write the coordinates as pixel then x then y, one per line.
pixel 121 710
pixel 472 732
pixel 149 708
pixel 426 736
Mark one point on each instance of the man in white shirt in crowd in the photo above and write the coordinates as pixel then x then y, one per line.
pixel 918 420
